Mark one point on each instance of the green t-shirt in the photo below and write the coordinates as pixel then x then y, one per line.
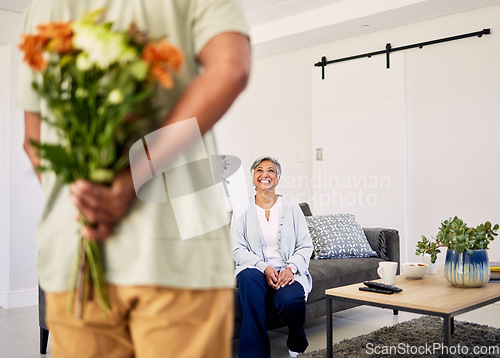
pixel 147 247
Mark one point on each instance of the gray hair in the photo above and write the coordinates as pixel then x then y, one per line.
pixel 271 159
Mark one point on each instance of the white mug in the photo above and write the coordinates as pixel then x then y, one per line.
pixel 387 271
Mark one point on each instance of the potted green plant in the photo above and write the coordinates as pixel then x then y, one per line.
pixel 466 261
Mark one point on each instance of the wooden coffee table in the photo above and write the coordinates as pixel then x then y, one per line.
pixel 433 295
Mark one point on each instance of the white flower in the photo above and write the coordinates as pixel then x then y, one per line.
pixel 102 46
pixel 82 62
pixel 81 93
pixel 115 96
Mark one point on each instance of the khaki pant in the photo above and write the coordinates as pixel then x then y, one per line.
pixel 145 322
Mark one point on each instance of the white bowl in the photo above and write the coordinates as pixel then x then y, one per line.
pixel 414 270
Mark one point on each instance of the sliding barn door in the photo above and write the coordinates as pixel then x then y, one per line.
pixel 359 141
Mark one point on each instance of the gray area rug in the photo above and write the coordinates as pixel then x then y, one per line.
pixel 419 337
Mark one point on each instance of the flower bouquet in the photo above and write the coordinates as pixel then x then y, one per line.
pixel 96 83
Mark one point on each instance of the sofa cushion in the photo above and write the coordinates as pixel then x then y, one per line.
pixel 340 272
pixel 338 236
pixel 306 210
pixel 378 241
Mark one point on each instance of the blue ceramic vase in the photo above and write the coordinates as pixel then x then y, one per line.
pixel 467 270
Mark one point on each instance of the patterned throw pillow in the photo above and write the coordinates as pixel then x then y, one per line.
pixel 338 236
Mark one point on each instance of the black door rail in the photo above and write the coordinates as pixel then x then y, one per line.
pixel 388 49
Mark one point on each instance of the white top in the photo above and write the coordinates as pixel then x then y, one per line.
pixel 270 234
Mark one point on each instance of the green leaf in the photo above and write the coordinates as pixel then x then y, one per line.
pixel 54 153
pixel 121 163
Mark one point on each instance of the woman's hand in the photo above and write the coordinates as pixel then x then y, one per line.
pixel 102 205
pixel 271 277
pixel 285 277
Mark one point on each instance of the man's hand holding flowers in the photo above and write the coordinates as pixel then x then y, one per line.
pixel 103 205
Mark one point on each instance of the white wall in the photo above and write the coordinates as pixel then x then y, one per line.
pixel 4 160
pixel 274 118
pixel 453 117
pixel 20 194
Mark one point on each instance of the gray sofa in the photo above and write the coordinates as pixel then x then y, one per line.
pixel 331 273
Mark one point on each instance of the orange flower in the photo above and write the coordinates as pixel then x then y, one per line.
pixel 54 37
pixel 164 58
pixel 162 75
pixel 59 36
pixel 55 29
pixel 32 46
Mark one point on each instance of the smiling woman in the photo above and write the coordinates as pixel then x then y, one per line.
pixel 271 248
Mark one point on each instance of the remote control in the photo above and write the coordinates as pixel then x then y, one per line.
pixel 382 286
pixel 377 290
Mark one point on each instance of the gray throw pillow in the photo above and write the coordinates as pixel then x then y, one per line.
pixel 338 236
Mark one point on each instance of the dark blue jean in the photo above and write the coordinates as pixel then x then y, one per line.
pixel 254 297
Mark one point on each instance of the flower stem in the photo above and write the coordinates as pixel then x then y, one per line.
pixel 87 274
pixel 93 254
pixel 80 283
pixel 73 279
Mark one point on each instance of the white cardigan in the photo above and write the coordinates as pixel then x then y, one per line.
pixel 294 241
